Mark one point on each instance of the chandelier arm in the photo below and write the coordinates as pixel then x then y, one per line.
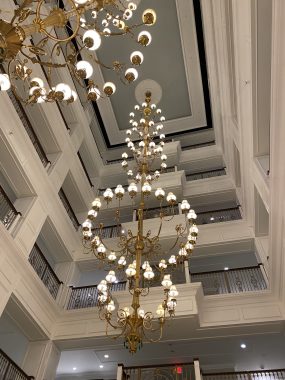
pixel 160 329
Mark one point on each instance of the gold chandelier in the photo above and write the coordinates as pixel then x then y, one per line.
pixel 138 255
pixel 54 34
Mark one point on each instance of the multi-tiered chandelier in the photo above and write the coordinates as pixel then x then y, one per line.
pixel 56 34
pixel 138 254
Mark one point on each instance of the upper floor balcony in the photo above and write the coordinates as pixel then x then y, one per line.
pixel 8 213
pixel 9 370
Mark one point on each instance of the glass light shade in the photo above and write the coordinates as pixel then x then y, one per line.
pixel 162 264
pixel 5 83
pixel 136 107
pixel 133 190
pixel 111 306
pixel 137 58
pixel 132 114
pixel 81 2
pixel 171 304
pixel 182 252
pixel 189 247
pixel 153 106
pixel 106 32
pixel 166 282
pixel 135 124
pixel 159 127
pixel 102 286
pixel 171 198
pixel 192 239
pixel 119 191
pixel 101 248
pixel 158 111
pixel 141 144
pixel 162 136
pixel 86 67
pixel 92 39
pixel 146 188
pixel 145 265
pixel 102 298
pixel 112 256
pixel 157 174
pixel 185 206
pixel 193 230
pixel 172 260
pixel 87 234
pixel 131 74
pixel 109 88
pixel 96 204
pixel 92 214
pixel 144 38
pixel 127 139
pixel 132 6
pixel 108 194
pixel 126 311
pixel 130 173
pixel 159 193
pixel 191 215
pixel 74 95
pixel 87 225
pixel 149 17
pixel 130 144
pixel 163 157
pixel 141 313
pixel 138 177
pixel 160 311
pixel 125 155
pixel 127 14
pixel 131 270
pixel 111 277
pixel 152 144
pixel 162 118
pixel 148 274
pixel 96 241
pixel 144 104
pixel 122 261
pixel 159 149
pixel 93 93
pixel 173 292
pixel 36 81
pixel 124 164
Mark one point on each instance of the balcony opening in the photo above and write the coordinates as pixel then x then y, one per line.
pixel 261 217
pixel 85 159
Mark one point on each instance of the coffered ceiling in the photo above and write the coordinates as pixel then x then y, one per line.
pixel 175 60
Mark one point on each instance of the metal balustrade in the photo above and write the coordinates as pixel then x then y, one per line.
pixel 87 296
pixel 155 212
pixel 206 174
pixel 85 170
pixel 44 271
pixel 275 374
pixel 29 129
pixel 109 231
pixel 231 281
pixel 9 370
pixel 161 371
pixel 68 209
pixel 218 216
pixel 8 213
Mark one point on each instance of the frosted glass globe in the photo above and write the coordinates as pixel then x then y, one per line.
pixel 84 65
pixel 4 82
pixel 96 38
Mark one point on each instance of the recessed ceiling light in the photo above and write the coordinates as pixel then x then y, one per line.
pixel 243 346
pixel 74 368
pixel 101 366
pixel 106 356
pixel 226 268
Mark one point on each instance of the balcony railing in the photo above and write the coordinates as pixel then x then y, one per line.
pixel 29 129
pixel 231 281
pixel 68 209
pixel 109 231
pixel 85 170
pixel 9 370
pixel 206 174
pixel 118 160
pixel 155 212
pixel 161 371
pixel 44 271
pixel 218 216
pixel 8 213
pixel 87 296
pixel 187 147
pixel 275 374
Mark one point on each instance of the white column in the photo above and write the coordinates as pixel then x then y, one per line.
pixel 41 360
pixel 187 273
pixel 197 370
pixel 120 372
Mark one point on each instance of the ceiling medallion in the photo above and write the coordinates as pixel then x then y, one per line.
pixel 138 256
pixel 54 35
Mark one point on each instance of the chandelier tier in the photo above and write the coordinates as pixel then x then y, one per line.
pixel 56 34
pixel 139 255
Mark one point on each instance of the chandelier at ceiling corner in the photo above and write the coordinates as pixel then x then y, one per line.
pixel 57 33
pixel 138 254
